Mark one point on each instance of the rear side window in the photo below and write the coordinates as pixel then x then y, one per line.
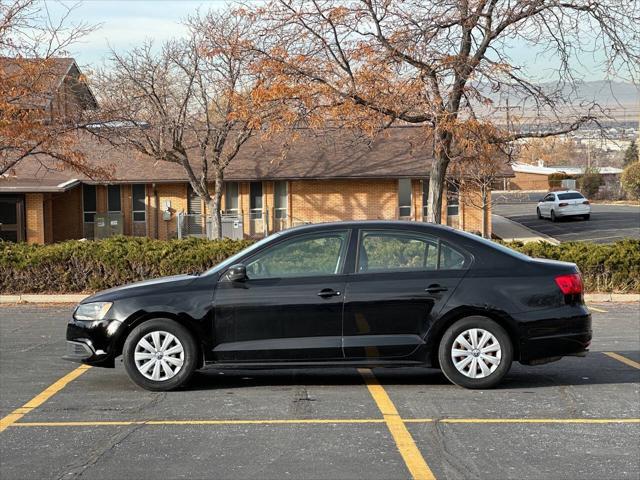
pixel 569 196
pixel 388 251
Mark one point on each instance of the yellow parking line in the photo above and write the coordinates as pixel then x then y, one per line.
pixel 404 441
pixel 42 397
pixel 599 310
pixel 118 423
pixel 625 360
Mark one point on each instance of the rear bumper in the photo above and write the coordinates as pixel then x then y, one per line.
pixel 571 212
pixel 555 337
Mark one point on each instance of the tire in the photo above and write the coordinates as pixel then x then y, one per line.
pixel 463 376
pixel 587 216
pixel 171 374
pixel 553 216
pixel 538 213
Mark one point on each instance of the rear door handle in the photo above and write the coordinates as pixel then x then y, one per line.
pixel 435 288
pixel 328 292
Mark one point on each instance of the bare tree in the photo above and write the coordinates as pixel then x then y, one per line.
pixel 442 64
pixel 30 126
pixel 193 102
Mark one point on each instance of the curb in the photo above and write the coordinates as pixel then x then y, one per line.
pixel 76 298
pixel 535 236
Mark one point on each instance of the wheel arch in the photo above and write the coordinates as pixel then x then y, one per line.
pixel 500 317
pixel 192 326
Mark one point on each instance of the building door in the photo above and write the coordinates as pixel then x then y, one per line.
pixel 12 218
pixel 196 225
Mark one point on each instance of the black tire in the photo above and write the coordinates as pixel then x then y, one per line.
pixel 539 214
pixel 188 344
pixel 553 216
pixel 587 217
pixel 446 345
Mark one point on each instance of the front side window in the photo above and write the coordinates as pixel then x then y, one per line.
pixel 308 255
pixel 381 251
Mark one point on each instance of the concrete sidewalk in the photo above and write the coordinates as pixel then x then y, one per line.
pixel 509 231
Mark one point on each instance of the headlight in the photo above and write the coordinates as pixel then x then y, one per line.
pixel 92 311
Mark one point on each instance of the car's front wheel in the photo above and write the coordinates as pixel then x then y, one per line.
pixel 475 352
pixel 553 216
pixel 160 355
pixel 538 213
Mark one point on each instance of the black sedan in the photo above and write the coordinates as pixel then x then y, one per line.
pixel 362 294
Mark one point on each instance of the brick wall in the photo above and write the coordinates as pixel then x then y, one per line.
pixel 177 194
pixel 529 181
pixel 67 214
pixel 34 217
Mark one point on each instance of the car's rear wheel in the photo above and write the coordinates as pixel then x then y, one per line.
pixel 538 213
pixel 475 352
pixel 160 355
pixel 553 216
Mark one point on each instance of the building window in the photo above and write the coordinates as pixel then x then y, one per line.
pixel 114 204
pixel 280 200
pixel 89 202
pixel 138 203
pixel 425 198
pixel 255 200
pixel 404 197
pixel 453 198
pixel 231 195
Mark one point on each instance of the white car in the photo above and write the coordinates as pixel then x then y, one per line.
pixel 565 203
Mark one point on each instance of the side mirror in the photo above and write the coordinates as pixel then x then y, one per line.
pixel 237 273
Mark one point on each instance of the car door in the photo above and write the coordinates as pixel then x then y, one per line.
pixel 549 202
pixel 289 307
pixel 402 280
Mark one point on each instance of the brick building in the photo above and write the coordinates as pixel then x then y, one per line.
pixel 322 176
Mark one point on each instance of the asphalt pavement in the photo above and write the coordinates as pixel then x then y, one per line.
pixel 608 223
pixel 576 418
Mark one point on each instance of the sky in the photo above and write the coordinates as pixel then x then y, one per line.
pixel 127 23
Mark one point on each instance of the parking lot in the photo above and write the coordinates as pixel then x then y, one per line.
pixel 608 223
pixel 577 418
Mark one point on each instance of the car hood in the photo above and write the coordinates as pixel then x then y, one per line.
pixel 156 285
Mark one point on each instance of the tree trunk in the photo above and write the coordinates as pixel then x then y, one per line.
pixel 436 187
pixel 484 212
pixel 213 206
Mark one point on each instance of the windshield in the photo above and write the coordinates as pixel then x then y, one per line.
pixel 234 258
pixel 569 196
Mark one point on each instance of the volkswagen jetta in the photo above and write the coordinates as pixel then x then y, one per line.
pixel 372 294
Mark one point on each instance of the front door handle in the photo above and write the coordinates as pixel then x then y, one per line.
pixel 435 288
pixel 328 292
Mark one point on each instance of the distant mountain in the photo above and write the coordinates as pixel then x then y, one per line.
pixel 607 93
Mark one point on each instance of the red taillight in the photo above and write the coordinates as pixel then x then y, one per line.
pixel 586 202
pixel 570 284
pixel 563 204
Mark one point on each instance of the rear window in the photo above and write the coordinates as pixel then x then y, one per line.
pixel 569 196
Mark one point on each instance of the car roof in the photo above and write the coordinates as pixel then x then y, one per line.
pixel 401 224
pixel 566 191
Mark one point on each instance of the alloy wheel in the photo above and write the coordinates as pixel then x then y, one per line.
pixel 476 353
pixel 159 356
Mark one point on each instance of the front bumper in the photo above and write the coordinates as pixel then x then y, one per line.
pixel 93 342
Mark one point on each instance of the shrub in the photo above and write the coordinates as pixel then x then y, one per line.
pixel 85 266
pixel 82 266
pixel 555 179
pixel 631 180
pixel 589 183
pixel 605 267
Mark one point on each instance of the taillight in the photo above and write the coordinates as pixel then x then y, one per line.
pixel 563 204
pixel 586 202
pixel 570 284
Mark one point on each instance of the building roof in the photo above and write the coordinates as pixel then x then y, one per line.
pixel 542 170
pixel 329 154
pixel 52 72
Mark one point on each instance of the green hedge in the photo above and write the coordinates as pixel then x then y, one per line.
pixel 85 266
pixel 613 267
